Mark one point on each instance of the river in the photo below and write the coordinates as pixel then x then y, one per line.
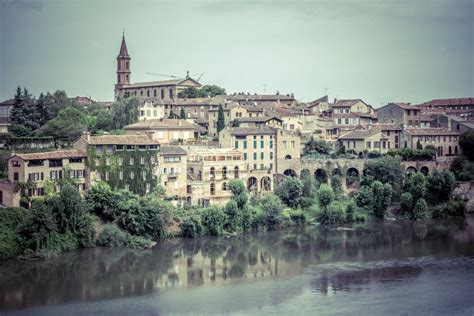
pixel 378 268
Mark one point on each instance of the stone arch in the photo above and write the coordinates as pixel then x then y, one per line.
pixel 352 176
pixel 425 170
pixel 304 172
pixel 321 175
pixel 290 173
pixel 252 184
pixel 410 170
pixel 336 172
pixel 266 184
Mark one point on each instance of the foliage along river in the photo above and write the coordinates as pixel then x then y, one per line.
pixel 390 267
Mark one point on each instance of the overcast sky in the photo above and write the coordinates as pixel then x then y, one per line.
pixel 379 51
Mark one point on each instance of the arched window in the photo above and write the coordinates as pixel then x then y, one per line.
pixel 288 157
pixel 236 172
pixel 212 173
pixel 212 188
pixel 224 186
pixel 224 173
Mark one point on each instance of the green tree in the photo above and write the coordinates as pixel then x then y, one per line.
pixel 125 112
pixel 406 203
pixel 325 195
pixel 364 197
pixel 310 185
pixel 382 194
pixel 233 216
pixel 183 113
pixel 336 185
pixel 289 190
pixel 416 185
pixel 386 170
pixel 211 91
pixel 439 186
pixel 317 146
pixel 466 142
pixel 272 209
pixel 420 209
pixel 239 192
pixel 213 219
pixel 68 125
pixel 220 119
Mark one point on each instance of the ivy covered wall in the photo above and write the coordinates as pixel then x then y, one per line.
pixel 137 184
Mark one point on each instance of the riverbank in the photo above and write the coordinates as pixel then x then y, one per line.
pixel 293 269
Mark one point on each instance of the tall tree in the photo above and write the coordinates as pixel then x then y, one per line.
pixel 125 111
pixel 183 113
pixel 220 119
pixel 68 125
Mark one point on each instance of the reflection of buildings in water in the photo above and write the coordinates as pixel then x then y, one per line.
pixel 352 281
pixel 199 270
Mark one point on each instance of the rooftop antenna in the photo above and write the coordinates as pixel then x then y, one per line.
pixel 264 87
pixel 325 91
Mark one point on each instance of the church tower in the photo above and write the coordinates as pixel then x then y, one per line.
pixel 123 67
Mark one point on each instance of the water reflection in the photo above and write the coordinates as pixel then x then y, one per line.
pixel 98 274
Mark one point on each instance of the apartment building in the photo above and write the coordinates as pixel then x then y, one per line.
pixel 402 114
pixel 364 140
pixel 151 109
pixel 164 131
pixel 445 140
pixel 209 173
pixel 126 162
pixel 172 169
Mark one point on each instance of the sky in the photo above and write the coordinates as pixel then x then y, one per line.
pixel 378 51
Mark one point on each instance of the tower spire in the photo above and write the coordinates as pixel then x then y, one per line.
pixel 123 47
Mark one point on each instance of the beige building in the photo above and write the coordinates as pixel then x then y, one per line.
pixel 267 151
pixel 151 110
pixel 209 173
pixel 402 114
pixel 270 121
pixel 164 131
pixel 445 141
pixel 172 171
pixel 364 140
pixel 393 133
pixel 232 111
pixel 37 169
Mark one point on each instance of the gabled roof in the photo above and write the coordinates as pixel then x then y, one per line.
pixel 260 97
pixel 361 134
pixel 405 106
pixel 120 140
pixel 386 127
pixel 449 102
pixel 430 131
pixel 259 119
pixel 161 124
pixel 160 83
pixel 172 151
pixel 242 131
pixel 317 101
pixel 346 103
pixel 57 154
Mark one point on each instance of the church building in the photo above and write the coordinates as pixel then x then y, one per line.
pixel 162 90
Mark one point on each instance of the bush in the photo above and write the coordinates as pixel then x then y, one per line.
pixel 325 195
pixel 439 186
pixel 138 242
pixel 406 203
pixel 112 236
pixel 213 219
pixel 191 228
pixel 289 191
pixel 419 211
pixel 350 211
pixel 12 243
pixel 298 217
pixel 364 197
pixel 334 213
pixel 272 209
pixel 454 208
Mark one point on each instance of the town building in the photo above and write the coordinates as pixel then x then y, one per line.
pixel 364 141
pixel 455 123
pixel 164 89
pixel 444 140
pixel 31 173
pixel 271 121
pixel 172 171
pixel 263 99
pixel 462 107
pixel 402 114
pixel 392 131
pixel 126 162
pixel 151 109
pixel 164 131
pixel 209 173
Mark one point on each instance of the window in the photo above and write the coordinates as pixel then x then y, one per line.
pixel 262 144
pixel 120 161
pixel 132 161
pixel 55 163
pixel 254 156
pixel 288 157
pixel 121 175
pixel 271 143
pixel 106 176
pixel 245 144
pixel 75 160
pixel 236 172
pixel 162 94
pixel 254 144
pixel 142 160
pixel 271 155
pixel 369 145
pixel 132 174
pixel 212 173
pixel 16 176
pixel 171 93
pixel 224 173
pixel 147 188
pixel 262 155
pixel 224 186
pixel 212 188
pixel 144 175
pixel 107 161
pixel 236 144
pixel 245 156
pixel 127 187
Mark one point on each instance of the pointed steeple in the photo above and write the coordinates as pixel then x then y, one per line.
pixel 123 48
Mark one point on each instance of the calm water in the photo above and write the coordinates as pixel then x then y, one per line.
pixel 376 269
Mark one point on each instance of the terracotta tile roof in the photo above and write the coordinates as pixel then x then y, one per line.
pixel 449 102
pixel 406 106
pixel 361 134
pixel 260 97
pixel 172 150
pixel 159 83
pixel 242 131
pixel 161 124
pixel 346 103
pixel 386 127
pixel 430 131
pixel 57 154
pixel 121 140
pixel 82 100
pixel 259 119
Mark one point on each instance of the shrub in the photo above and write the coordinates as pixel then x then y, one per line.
pixel 298 217
pixel 289 190
pixel 112 236
pixel 272 208
pixel 439 186
pixel 325 195
pixel 454 208
pixel 191 228
pixel 138 242
pixel 336 185
pixel 364 197
pixel 12 242
pixel 332 214
pixel 406 203
pixel 213 219
pixel 419 211
pixel 234 218
pixel 350 211
pixel 382 194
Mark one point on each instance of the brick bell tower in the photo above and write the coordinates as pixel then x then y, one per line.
pixel 123 67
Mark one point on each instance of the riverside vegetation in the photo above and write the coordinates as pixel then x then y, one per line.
pixel 62 220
